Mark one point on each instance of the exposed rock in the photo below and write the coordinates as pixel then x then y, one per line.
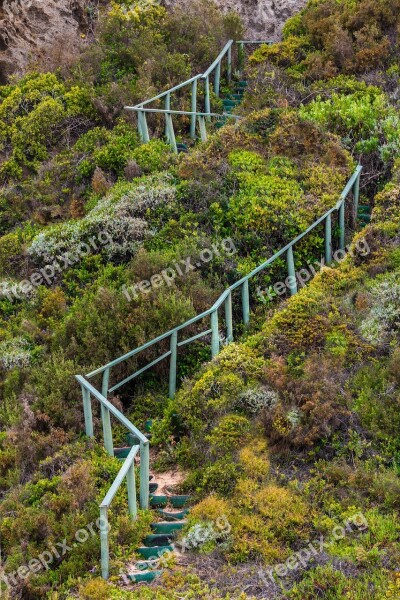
pixel 263 18
pixel 33 29
pixel 49 30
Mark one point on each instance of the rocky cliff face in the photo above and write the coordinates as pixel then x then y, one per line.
pixel 32 29
pixel 45 30
pixel 263 18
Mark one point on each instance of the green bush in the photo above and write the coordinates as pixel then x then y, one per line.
pixel 364 119
pixel 154 156
pixel 27 135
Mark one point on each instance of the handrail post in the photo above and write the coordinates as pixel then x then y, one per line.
pixel 229 68
pixel 356 196
pixel 172 364
pixel 193 110
pixel 143 129
pixel 131 485
pixel 291 272
pixel 171 133
pixel 105 550
pixel 202 127
pixel 144 475
pixel 341 226
pixel 214 333
pixel 105 416
pixel 228 318
pixel 245 302
pixel 217 78
pixel 207 105
pixel 328 239
pixel 167 107
pixel 240 57
pixel 87 411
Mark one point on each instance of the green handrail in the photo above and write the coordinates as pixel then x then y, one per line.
pixel 225 298
pixel 127 470
pixel 197 118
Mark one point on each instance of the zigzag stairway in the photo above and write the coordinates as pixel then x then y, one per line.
pixel 169 508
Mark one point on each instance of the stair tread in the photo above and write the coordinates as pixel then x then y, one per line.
pixel 173 516
pixel 157 539
pixel 179 500
pixel 158 500
pixel 167 527
pixel 148 552
pixel 144 575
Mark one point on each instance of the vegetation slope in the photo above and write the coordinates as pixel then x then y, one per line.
pixel 291 431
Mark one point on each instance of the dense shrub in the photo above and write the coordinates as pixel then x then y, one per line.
pixel 116 223
pixel 26 136
pixel 329 37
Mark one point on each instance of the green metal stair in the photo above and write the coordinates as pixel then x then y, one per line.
pixel 231 101
pixel 364 214
pixel 164 532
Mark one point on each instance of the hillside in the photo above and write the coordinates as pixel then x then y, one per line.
pixel 274 463
pixel 262 19
pixel 38 34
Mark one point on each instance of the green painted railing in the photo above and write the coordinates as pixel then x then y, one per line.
pixel 176 341
pixel 174 336
pixel 127 471
pixel 215 71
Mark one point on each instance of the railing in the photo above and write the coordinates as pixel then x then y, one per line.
pixel 174 336
pixel 107 409
pixel 127 471
pixel 196 116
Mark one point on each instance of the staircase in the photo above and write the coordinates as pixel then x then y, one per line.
pixel 231 102
pixel 363 214
pixel 171 510
pixel 199 116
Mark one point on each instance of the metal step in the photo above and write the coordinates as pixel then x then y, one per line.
pixel 173 516
pixel 154 552
pixel 168 527
pixel 122 453
pixel 158 500
pixel 230 103
pixel 179 501
pixel 158 539
pixel 147 576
